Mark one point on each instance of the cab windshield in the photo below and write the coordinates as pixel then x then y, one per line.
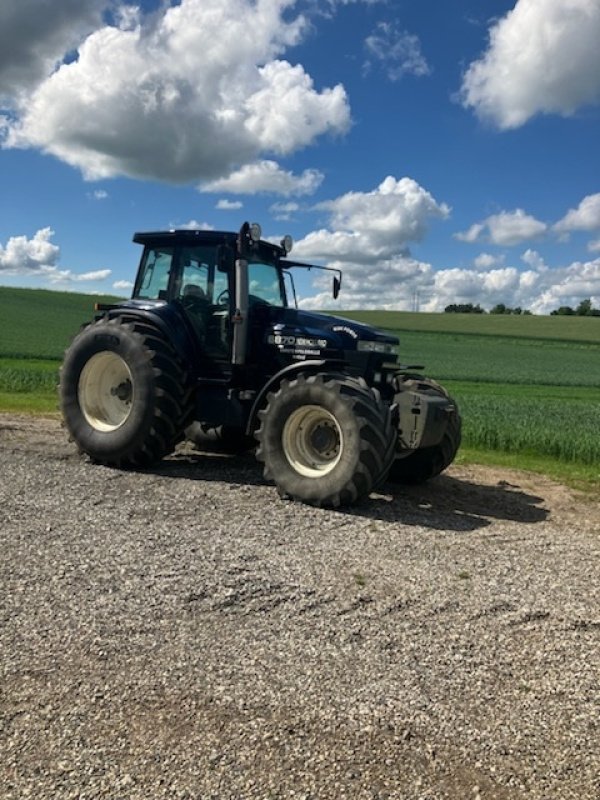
pixel 265 284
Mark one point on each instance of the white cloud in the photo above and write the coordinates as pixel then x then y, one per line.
pixel 39 257
pixel 371 226
pixel 534 260
pixel 396 50
pixel 229 205
pixel 266 177
pixel 594 246
pixel 543 57
pixel 36 34
pixel 99 194
pixel 192 225
pixel 368 238
pixel 123 285
pixel 506 229
pixel 487 261
pixel 586 217
pixel 95 275
pixel 284 211
pixel 191 93
pixel 569 286
pixel 23 256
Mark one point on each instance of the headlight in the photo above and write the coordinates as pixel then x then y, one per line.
pixel 377 347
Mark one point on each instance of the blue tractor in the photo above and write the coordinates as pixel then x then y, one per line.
pixel 212 340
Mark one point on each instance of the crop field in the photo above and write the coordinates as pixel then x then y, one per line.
pixel 525 385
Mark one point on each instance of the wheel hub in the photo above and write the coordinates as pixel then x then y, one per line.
pixel 105 391
pixel 312 441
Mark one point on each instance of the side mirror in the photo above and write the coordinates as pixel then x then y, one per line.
pixel 337 285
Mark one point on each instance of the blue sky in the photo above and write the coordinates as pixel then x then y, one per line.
pixel 437 151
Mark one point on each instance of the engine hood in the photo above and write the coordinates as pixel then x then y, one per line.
pixel 340 332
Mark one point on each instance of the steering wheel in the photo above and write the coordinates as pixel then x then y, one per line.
pixel 223 298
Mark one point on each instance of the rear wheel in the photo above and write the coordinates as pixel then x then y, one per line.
pixel 122 393
pixel 427 462
pixel 325 439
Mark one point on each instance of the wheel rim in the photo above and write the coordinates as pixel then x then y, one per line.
pixel 312 441
pixel 105 391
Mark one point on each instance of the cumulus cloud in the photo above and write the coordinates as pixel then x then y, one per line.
pixel 396 51
pixel 487 261
pixel 266 177
pixel 284 211
pixel 543 57
pixel 506 229
pixel 367 227
pixel 190 93
pixel 36 34
pixel 23 256
pixel 123 285
pixel 406 284
pixel 368 238
pixel 39 257
pixel 229 205
pixel 586 217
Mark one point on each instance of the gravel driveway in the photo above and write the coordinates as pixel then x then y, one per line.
pixel 184 633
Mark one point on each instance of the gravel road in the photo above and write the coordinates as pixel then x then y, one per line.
pixel 184 633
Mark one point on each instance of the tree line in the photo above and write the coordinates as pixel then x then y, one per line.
pixel 584 309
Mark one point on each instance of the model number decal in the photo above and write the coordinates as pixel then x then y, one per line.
pixel 284 341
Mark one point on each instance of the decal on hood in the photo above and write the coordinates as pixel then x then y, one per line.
pixel 297 345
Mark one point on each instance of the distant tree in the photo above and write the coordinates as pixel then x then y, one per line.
pixel 464 308
pixel 563 311
pixel 584 309
pixel 500 308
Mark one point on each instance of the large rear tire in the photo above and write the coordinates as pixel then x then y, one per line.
pixel 122 393
pixel 425 463
pixel 326 440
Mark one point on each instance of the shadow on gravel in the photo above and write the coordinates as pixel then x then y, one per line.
pixel 444 503
pixel 448 503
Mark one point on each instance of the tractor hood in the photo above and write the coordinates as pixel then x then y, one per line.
pixel 322 332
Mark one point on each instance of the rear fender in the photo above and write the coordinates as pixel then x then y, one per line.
pixel 172 324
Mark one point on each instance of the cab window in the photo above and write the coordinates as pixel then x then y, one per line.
pixel 155 272
pixel 264 284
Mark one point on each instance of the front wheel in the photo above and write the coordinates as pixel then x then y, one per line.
pixel 122 393
pixel 325 440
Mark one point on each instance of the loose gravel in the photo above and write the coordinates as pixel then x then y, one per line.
pixel 184 633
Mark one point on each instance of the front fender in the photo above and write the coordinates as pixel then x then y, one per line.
pixel 309 367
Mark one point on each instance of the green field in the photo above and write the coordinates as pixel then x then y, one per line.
pixel 528 387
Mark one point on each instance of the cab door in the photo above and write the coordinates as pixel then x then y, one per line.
pixel 205 297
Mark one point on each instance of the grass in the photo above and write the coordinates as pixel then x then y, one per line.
pixel 558 328
pixel 37 323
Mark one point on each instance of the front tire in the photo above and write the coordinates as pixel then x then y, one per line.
pixel 425 463
pixel 122 393
pixel 325 440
